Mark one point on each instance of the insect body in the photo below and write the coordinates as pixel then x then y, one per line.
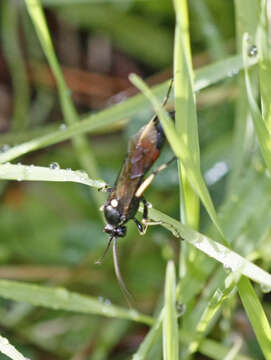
pixel 125 197
pixel 127 193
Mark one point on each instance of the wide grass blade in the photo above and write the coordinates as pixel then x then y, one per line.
pixel 62 299
pixel 228 258
pixel 256 316
pixel 185 111
pixel 150 339
pixel 9 350
pixel 211 310
pixel 21 172
pixel 170 325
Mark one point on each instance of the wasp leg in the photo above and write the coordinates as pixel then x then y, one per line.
pixel 140 227
pixel 145 209
pixel 151 177
pixel 105 188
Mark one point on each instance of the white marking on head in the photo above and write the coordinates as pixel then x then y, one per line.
pixel 114 203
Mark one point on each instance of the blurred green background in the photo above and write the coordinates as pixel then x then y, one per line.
pixel 52 233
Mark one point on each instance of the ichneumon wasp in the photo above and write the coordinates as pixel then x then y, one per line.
pixel 127 193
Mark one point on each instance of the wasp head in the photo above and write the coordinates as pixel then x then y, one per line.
pixel 116 231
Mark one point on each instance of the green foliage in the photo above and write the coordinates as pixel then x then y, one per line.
pixel 51 227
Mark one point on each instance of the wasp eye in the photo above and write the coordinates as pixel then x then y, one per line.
pixel 121 231
pixel 112 215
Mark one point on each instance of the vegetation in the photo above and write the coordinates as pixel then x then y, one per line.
pixel 201 280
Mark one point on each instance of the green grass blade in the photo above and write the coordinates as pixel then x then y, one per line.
pixel 216 351
pixel 170 325
pixel 265 64
pixel 62 299
pixel 261 128
pixel 256 316
pixel 228 258
pixel 210 311
pixel 204 77
pixel 185 111
pixel 39 173
pixel 149 339
pixel 9 350
pixel 246 20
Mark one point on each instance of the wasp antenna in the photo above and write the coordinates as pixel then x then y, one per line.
pixel 123 287
pixel 168 93
pixel 105 252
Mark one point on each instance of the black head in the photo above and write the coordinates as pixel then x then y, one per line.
pixel 113 213
pixel 118 231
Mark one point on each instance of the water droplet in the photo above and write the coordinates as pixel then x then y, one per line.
pixel 104 310
pixel 63 127
pixel 134 314
pixel 227 268
pixel 265 289
pixel 82 176
pixel 69 169
pixel 4 148
pixel 252 50
pixel 54 166
pixel 107 302
pixel 4 341
pixel 62 293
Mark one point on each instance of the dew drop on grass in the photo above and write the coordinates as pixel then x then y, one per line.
pixel 265 289
pixel 107 302
pixel 252 50
pixel 134 314
pixel 62 294
pixel 227 268
pixel 63 127
pixel 54 166
pixel 4 148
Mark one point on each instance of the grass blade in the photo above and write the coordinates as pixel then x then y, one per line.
pixel 261 128
pixel 9 350
pixel 265 64
pixel 60 298
pixel 256 316
pixel 185 111
pixel 39 173
pixel 228 258
pixel 170 326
